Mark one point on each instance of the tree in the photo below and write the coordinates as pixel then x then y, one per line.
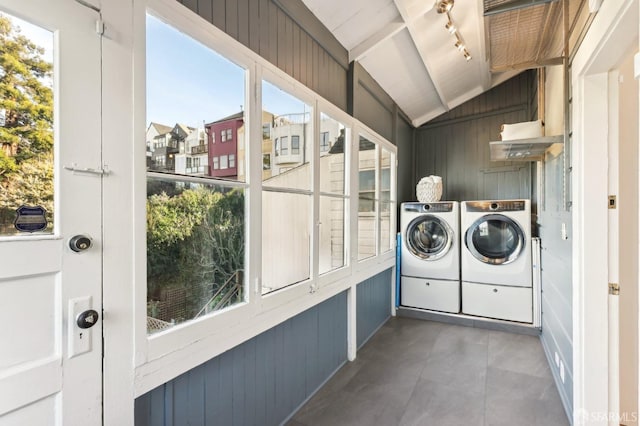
pixel 26 138
pixel 27 102
pixel 195 241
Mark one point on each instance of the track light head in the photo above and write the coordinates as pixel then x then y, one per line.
pixel 444 6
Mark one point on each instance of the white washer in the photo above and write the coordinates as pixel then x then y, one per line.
pixel 430 256
pixel 496 259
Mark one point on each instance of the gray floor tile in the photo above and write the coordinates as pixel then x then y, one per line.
pixel 523 399
pixel 433 403
pixel 518 353
pixel 415 372
pixel 462 365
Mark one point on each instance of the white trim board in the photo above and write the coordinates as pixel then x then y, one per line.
pixel 614 29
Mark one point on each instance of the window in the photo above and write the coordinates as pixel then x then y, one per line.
pixel 333 200
pixel 367 186
pixel 287 197
pixel 28 140
pixel 189 160
pixel 266 131
pixel 225 135
pixel 386 203
pixel 266 161
pixel 324 142
pixel 195 226
pixel 224 162
pixel 295 145
pixel 232 161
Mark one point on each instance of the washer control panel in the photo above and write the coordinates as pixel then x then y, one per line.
pixel 439 207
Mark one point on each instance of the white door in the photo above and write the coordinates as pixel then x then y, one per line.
pixel 50 367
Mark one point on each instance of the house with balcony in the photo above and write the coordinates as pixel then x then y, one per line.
pixel 166 146
pixel 193 159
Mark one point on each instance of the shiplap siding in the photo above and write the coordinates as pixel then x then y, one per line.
pixel 286 34
pixel 556 262
pixel 373 305
pixel 406 184
pixel 260 382
pixel 456 145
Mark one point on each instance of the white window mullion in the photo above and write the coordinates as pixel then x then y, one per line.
pixel 315 170
pixel 352 240
pixel 377 196
pixel 254 177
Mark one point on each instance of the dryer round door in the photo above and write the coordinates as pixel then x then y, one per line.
pixel 495 239
pixel 428 237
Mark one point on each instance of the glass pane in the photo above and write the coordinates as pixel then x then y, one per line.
pixel 289 140
pixel 332 156
pixel 26 128
pixel 495 239
pixel 195 250
pixel 428 237
pixel 286 239
pixel 195 113
pixel 386 236
pixel 367 198
pixel 386 159
pixel 366 231
pixel 332 250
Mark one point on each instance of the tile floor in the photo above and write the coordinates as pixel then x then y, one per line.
pixel 415 372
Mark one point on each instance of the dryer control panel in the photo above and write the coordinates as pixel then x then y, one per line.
pixel 496 206
pixel 439 207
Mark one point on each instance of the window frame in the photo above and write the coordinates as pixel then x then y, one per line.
pixel 195 341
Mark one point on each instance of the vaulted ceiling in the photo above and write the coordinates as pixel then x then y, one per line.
pixel 405 47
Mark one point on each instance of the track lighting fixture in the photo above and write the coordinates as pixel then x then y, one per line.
pixel 450 27
pixel 444 7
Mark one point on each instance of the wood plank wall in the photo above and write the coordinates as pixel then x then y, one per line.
pixel 373 305
pixel 556 262
pixel 260 382
pixel 456 145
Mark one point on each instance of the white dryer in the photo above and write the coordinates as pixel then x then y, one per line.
pixel 430 256
pixel 496 259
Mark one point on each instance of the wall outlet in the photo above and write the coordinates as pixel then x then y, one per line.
pixel 562 371
pixel 557 359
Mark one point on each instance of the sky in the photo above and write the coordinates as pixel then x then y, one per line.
pixel 189 83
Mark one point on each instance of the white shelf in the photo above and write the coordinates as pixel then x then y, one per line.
pixel 531 149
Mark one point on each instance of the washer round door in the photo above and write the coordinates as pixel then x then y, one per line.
pixel 495 239
pixel 429 237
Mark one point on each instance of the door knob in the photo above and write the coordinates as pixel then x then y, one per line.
pixel 87 319
pixel 80 243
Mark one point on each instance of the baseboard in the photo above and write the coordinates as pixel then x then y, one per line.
pixel 566 404
pixel 468 321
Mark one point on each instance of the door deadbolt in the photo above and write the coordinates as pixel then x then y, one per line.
pixel 80 243
pixel 87 319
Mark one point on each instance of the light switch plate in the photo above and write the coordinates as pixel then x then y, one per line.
pixel 79 340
